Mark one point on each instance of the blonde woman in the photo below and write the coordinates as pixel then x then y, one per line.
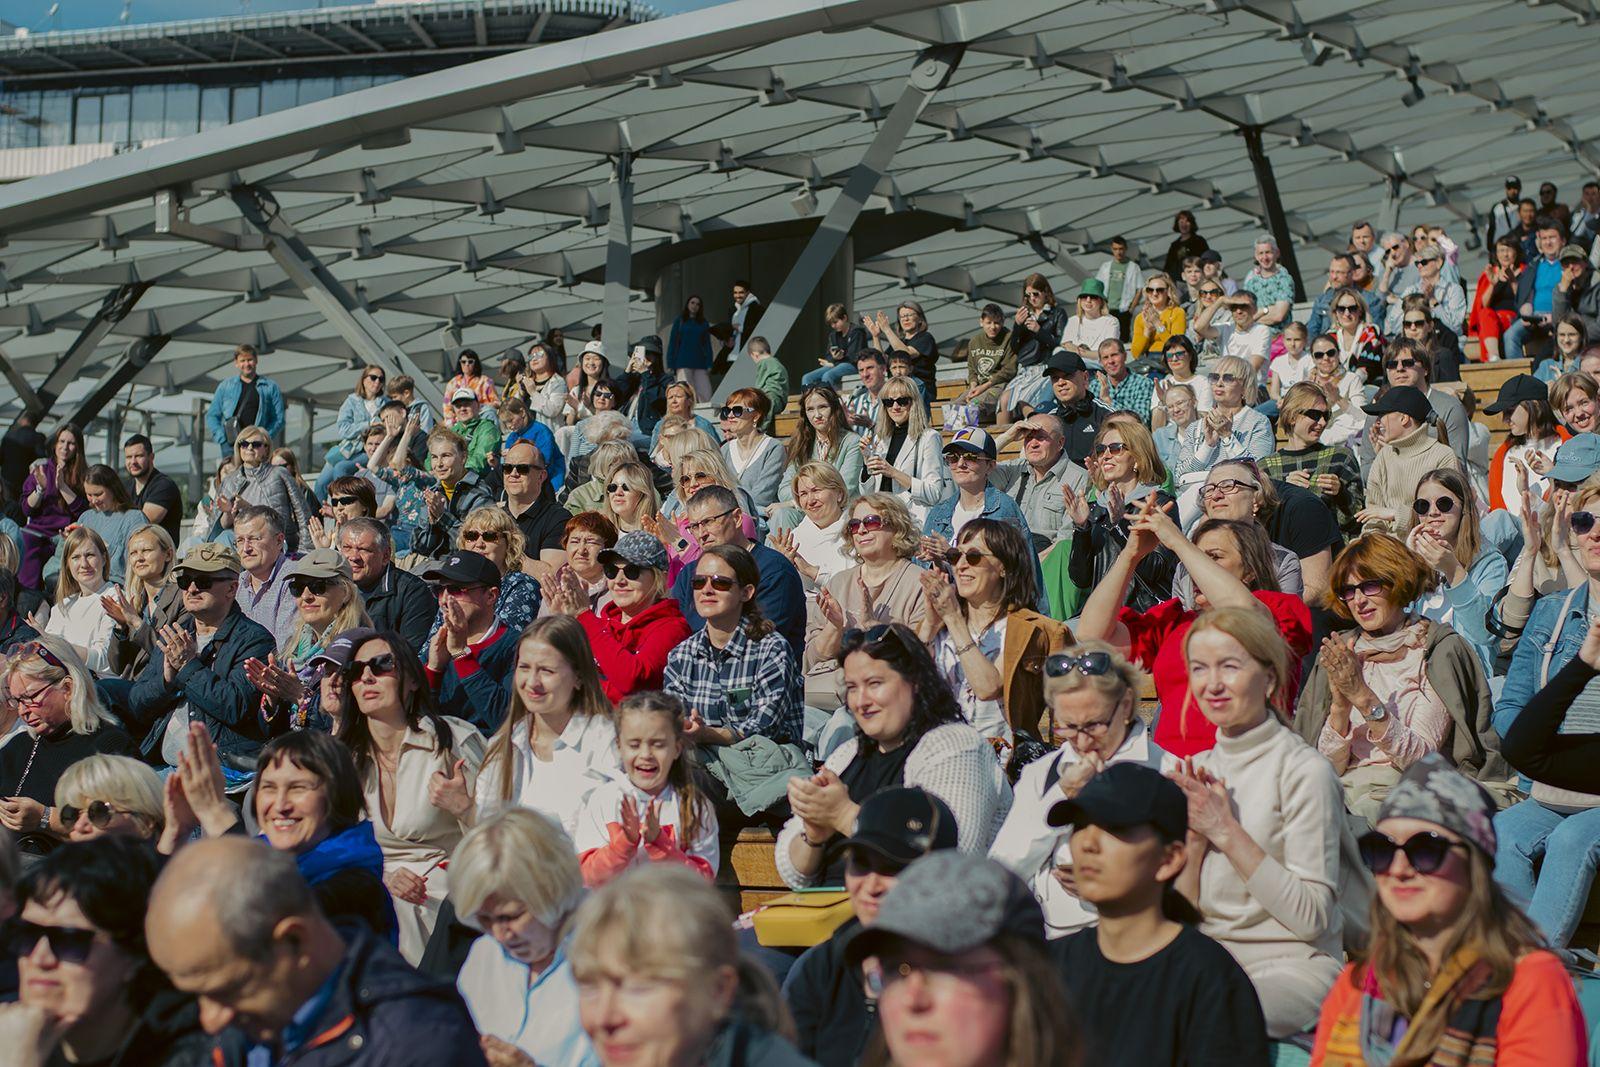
pixel 108 795
pixel 1124 470
pixel 816 545
pixel 327 603
pixel 606 458
pixel 631 501
pixel 1159 317
pixel 257 480
pixel 1233 428
pixel 79 616
pixel 693 472
pixel 907 456
pixel 150 602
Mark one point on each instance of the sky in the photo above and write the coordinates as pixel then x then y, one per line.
pixel 87 14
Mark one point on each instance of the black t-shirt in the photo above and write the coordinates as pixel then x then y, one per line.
pixel 55 755
pixel 1302 523
pixel 163 492
pixel 249 404
pixel 543 524
pixel 1189 1005
pixel 926 351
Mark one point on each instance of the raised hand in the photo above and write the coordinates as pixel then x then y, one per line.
pixel 119 608
pixel 1540 463
pixel 783 541
pixel 940 593
pixel 830 609
pixel 1077 505
pixel 1532 532
pixel 651 828
pixel 1590 652
pixel 447 789
pixel 1111 500
pixel 200 769
pixel 1080 773
pixel 632 826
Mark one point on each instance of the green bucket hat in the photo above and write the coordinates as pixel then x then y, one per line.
pixel 1092 287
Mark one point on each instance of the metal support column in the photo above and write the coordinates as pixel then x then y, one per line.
pixel 1267 186
pixel 134 360
pixel 307 438
pixel 25 393
pixel 353 322
pixel 929 73
pixel 113 431
pixel 197 452
pixel 1392 199
pixel 116 306
pixel 619 262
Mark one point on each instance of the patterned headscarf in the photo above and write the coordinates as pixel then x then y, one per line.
pixel 1434 791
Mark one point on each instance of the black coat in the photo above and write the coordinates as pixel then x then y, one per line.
pixel 382 1014
pixel 402 602
pixel 168 1034
pixel 651 389
pixel 833 1018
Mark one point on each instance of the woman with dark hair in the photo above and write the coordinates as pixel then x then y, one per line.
pixel 644 384
pixel 591 373
pixel 1571 336
pixel 689 345
pixel 1187 243
pixel 1039 321
pixel 908 335
pixel 755 457
pixel 1182 364
pixel 1310 459
pixel 986 637
pixel 52 499
pixel 89 993
pixel 470 376
pixel 543 384
pixel 511 368
pixel 400 742
pixel 111 514
pixel 1454 971
pixel 909 731
pixel 1494 301
pixel 359 411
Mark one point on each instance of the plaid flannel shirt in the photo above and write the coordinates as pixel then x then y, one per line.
pixel 751 686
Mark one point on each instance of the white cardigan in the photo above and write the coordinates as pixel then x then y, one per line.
pixel 955 764
pixel 923 460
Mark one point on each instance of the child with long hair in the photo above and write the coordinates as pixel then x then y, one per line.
pixel 660 813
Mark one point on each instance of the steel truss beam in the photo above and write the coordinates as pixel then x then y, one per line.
pixel 113 309
pixel 135 359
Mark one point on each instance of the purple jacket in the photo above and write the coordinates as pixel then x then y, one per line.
pixel 53 514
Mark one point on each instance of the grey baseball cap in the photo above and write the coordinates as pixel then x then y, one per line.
pixel 951 902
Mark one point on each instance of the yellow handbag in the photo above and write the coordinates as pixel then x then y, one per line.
pixel 802 919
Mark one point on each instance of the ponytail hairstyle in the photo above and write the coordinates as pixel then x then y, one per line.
pixel 747 573
pixel 685 775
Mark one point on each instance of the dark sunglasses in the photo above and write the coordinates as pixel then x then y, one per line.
pixel 100 814
pixel 1090 663
pixel 520 468
pixel 341 501
pixel 1324 353
pixel 860 862
pixel 202 582
pixel 631 571
pixel 318 586
pixel 734 411
pixel 1444 505
pixel 1224 378
pixel 1116 448
pixel 1155 288
pixel 381 665
pixel 973 557
pixel 374 377
pixel 1370 587
pixel 1316 414
pixel 252 445
pixel 720 582
pixel 67 944
pixel 1346 309
pixel 1427 259
pixel 865 524
pixel 897 401
pixel 488 537
pixel 617 487
pixel 1211 292
pixel 1426 852
pixel 855 639
pixel 1402 364
pixel 1415 322
pixel 1583 521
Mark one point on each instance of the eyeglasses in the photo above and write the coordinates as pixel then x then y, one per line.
pixel 188 579
pixel 1401 364
pixel 1223 378
pixel 252 445
pixel 1227 487
pixel 603 394
pixel 1066 730
pixel 700 526
pixel 1426 259
pixel 1176 353
pixel 1155 289
pixel 734 411
pixel 1091 664
pixel 865 524
pixel 720 582
pixel 67 944
pixel 1408 323
pixel 100 812
pixel 631 571
pixel 488 537
pixel 299 586
pixel 1316 414
pixel 1115 448
pixel 971 555
pixel 1211 292
pixel 1370 588
pixel 341 501
pixel 1346 309
pixel 1422 506
pixel 941 976
pixel 381 665
pixel 374 377
pixel 35 698
pixel 897 401
pixel 617 487
pixel 854 640
pixel 1426 852
pixel 1583 521
pixel 520 468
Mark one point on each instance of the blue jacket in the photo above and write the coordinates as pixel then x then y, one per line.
pixel 1555 629
pixel 996 505
pixel 689 345
pixel 225 401
pixel 479 697
pixel 352 423
pixel 216 689
pixel 779 592
pixel 539 435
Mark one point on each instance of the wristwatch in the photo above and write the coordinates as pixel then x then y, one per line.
pixel 1376 713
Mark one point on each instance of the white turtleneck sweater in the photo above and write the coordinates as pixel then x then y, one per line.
pixel 1288 800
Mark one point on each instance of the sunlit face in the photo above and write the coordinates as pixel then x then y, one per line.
pixel 1589 543
pixel 1114 360
pixel 649 745
pixel 592 363
pixel 253 450
pixel 447 462
pixel 636 1020
pixel 624 496
pixel 951 1011
pixel 1505 257
pixel 258 546
pixel 292 807
pixel 818 412
pixel 1091 722
pixel 208 603
pixel 245 363
pixel 712 527
pixel 969 470
pixel 513 924
pixel 487 540
pixel 603 398
pixel 897 405
pixel 1338 273
pixel 1192 275
pixel 1374 613
pixel 123 823
pixel 583 554
pixel 1114 457
pixel 1549 242
pixel 633 595
pixel 1294 343
pixel 1236 501
pixel 1227 388
pixel 1244 313
pixel 1362 237
pixel 879 698
pixel 318 609
pixel 680 402
pixel 545 681
pixel 691 480
pixel 136 460
pixel 148 559
pixel 1223 550
pixel 374 692
pixel 1568 339
pixel 72 992
pixel 1180 406
pixel 1091 307
pixel 43 706
pixel 67 446
pixel 88 566
pixel 1580 412
pixel 1325 359
pixel 1231 688
pixel 875 543
pixel 722 605
pixel 1447 523
pixel 821 504
pixel 1266 258
pixel 1427 903
pixel 872 374
pixel 1309 424
pixel 740 418
pixel 981 579
pixel 991 327
pixel 1042 441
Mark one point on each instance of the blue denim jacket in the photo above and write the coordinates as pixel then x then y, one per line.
pixel 996 505
pixel 226 401
pixel 1555 629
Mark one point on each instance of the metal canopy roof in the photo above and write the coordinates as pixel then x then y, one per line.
pixel 478 197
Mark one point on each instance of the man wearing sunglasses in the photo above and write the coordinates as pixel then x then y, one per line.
pixel 197 671
pixel 1071 402
pixel 1241 334
pixel 1034 480
pixel 833 1015
pixel 715 518
pixel 531 501
pixel 471 658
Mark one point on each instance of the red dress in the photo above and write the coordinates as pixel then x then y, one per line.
pixel 1157 646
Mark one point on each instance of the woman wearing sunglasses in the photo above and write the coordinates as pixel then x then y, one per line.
pixel 359 411
pixel 1233 428
pixel 1454 971
pixel 257 480
pixel 631 501
pixel 1124 469
pixel 1344 388
pixel 884 586
pixel 115 795
pixel 987 639
pixel 815 545
pixel 89 993
pixel 1445 298
pixel 905 458
pixel 755 457
pixel 401 745
pixel 1158 317
pixel 823 436
pixel 1400 686
pixel 1357 338
pixel 470 375
pixel 327 603
pixel 1092 693
pixel 1446 533
pixel 692 471
pixel 1311 459
pixel 494 534
pixel 1266 822
pixel 1181 362
pixel 909 731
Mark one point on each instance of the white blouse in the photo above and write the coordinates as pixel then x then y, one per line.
pixel 82 621
pixel 584 757
pixel 823 548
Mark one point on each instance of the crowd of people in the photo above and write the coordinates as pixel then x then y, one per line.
pixel 1194 686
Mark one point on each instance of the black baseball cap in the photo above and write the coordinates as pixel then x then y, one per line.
pixel 1406 399
pixel 1124 795
pixel 464 568
pixel 1513 182
pixel 1211 255
pixel 1063 361
pixel 1514 390
pixel 904 824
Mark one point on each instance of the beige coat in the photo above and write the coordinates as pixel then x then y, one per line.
pixel 900 600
